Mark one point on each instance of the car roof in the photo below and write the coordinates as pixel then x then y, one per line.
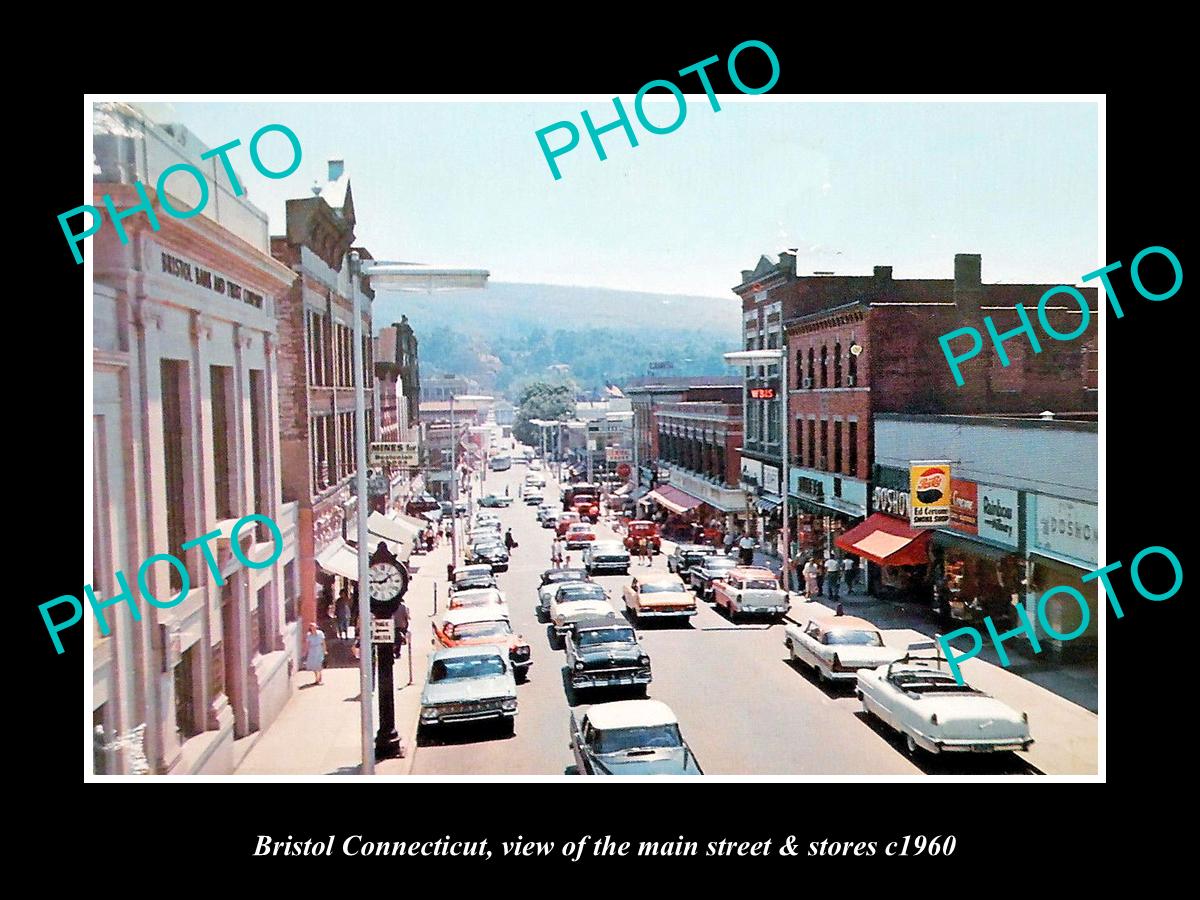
pixel 722 556
pixel 580 526
pixel 469 650
pixel 592 586
pixel 608 542
pixel 662 578
pixel 752 572
pixel 692 548
pixel 472 569
pixel 475 592
pixel 580 571
pixel 837 623
pixel 630 714
pixel 463 615
pixel 589 622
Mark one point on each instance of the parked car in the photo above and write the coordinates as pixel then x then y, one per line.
pixel 478 598
pixel 606 556
pixel 552 580
pixel 475 626
pixel 491 501
pixel 579 535
pixel 937 714
pixel 641 528
pixel 604 652
pixel 659 596
pixel 684 556
pixel 630 737
pixel 470 577
pixel 749 591
pixel 709 568
pixel 564 521
pixel 468 684
pixel 546 515
pixel 422 503
pixel 836 649
pixel 491 553
pixel 534 496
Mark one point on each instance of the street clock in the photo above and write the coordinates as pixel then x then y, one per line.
pixel 387 581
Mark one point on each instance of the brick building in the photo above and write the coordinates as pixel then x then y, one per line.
pixel 316 365
pixel 647 394
pixel 699 444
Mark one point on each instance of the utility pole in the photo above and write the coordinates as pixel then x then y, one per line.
pixel 364 600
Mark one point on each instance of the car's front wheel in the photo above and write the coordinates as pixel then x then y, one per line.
pixel 910 746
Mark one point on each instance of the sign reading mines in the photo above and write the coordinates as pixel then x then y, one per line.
pixel 98 606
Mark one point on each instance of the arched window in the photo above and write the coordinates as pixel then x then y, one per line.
pixel 853 367
pixel 837 364
pixel 811 381
pixel 824 366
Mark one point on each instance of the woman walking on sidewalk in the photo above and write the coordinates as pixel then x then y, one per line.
pixel 811 588
pixel 314 651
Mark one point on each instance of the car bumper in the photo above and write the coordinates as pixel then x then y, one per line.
pixel 762 610
pixel 577 545
pixel 618 678
pixel 970 745
pixel 482 715
pixel 644 613
pixel 610 566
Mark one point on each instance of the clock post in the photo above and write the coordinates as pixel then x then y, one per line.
pixel 388 582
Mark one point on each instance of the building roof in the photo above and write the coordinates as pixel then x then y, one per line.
pixel 1063 421
pixel 630 714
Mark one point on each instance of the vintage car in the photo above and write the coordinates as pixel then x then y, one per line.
pixel 937 714
pixel 606 556
pixel 564 521
pixel 630 737
pixel 535 465
pixel 574 601
pixel 534 480
pixel 468 684
pixel 837 648
pixel 470 577
pixel 491 501
pixel 422 503
pixel 708 570
pixel 534 496
pixel 571 491
pixel 604 652
pixel 750 591
pixel 492 553
pixel 479 597
pixel 659 596
pixel 641 528
pixel 587 505
pixel 684 556
pixel 546 515
pixel 579 535
pixel 474 626
pixel 552 580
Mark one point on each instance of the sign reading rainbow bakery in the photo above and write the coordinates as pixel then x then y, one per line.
pixel 929 493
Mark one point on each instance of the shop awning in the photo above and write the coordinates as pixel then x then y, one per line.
pixel 769 503
pixel 674 499
pixel 623 490
pixel 887 542
pixel 392 529
pixel 339 558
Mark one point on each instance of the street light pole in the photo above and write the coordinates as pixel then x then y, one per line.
pixel 453 488
pixel 364 602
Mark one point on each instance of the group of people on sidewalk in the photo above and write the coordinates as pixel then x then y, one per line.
pixel 824 577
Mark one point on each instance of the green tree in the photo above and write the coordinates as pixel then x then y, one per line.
pixel 542 400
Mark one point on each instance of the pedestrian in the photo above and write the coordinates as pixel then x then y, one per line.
pixel 838 610
pixel 795 582
pixel 314 651
pixel 834 578
pixel 556 553
pixel 506 490
pixel 343 613
pixel 509 541
pixel 643 546
pixel 850 568
pixel 746 547
pixel 811 589
pixel 820 576
pixel 730 537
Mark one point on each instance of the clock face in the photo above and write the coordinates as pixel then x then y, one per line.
pixel 385 581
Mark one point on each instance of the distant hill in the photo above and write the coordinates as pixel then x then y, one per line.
pixel 505 308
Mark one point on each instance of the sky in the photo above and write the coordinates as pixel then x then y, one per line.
pixel 851 185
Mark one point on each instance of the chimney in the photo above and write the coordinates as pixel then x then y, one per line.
pixel 336 168
pixel 883 273
pixel 787 263
pixel 747 274
pixel 968 282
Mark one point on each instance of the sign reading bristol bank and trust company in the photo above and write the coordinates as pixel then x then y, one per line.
pixel 929 493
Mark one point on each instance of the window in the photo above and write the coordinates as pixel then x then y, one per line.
pixel 824 366
pixel 853 367
pixel 263 620
pixel 811 381
pixel 837 446
pixel 185 690
pixel 289 591
pixel 824 445
pixel 258 447
pixel 223 452
pixel 800 439
pixel 853 434
pixel 773 407
pixel 326 336
pixel 812 443
pixel 174 383
pixel 837 364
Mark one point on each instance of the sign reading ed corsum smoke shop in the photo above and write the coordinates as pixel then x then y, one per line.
pixel 929 493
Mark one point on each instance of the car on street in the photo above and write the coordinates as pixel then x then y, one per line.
pixel 476 626
pixel 684 556
pixel 606 556
pixel 468 684
pixel 659 596
pixel 935 713
pixel 630 737
pixel 587 505
pixel 535 479
pixel 492 501
pixel 837 648
pixel 579 535
pixel 478 598
pixel 470 577
pixel 546 515
pixel 710 568
pixel 484 532
pixel 642 528
pixel 491 553
pixel 564 521
pixel 552 580
pixel 534 496
pixel 422 503
pixel 604 652
pixel 535 465
pixel 750 591
pixel 574 601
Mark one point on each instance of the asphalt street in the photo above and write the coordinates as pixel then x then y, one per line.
pixel 743 708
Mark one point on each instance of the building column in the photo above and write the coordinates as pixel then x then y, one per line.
pixel 203 517
pixel 241 471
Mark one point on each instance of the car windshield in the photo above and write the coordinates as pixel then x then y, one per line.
pixel 719 562
pixel 622 740
pixel 654 587
pixel 583 592
pixel 469 630
pixel 595 636
pixel 608 547
pixel 566 575
pixel 466 667
pixel 931 683
pixel 761 584
pixel 854 638
pixel 475 581
pixel 472 598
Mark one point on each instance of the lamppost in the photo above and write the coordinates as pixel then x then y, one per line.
pixel 403 277
pixel 778 357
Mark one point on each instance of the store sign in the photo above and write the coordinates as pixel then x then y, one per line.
pixel 1066 527
pixel 770 480
pixel 998 514
pixel 205 278
pixel 964 506
pixel 929 493
pixel 752 471
pixel 890 501
pixel 762 393
pixel 393 454
pixel 618 454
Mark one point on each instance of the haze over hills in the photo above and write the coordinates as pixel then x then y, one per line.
pixel 508 334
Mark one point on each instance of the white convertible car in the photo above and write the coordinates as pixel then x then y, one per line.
pixel 837 648
pixel 937 714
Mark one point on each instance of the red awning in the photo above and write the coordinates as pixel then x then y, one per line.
pixel 887 542
pixel 674 499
